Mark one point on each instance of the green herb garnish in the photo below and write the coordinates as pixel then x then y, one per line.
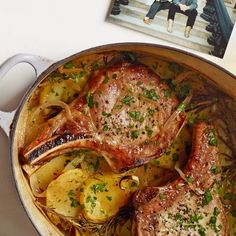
pixel 127 100
pixel 207 198
pixel 89 99
pixel 167 93
pixel 149 131
pixel 212 138
pixel 151 112
pixel 151 94
pixel 100 187
pixel 91 200
pixel 105 128
pixel 105 81
pixel 109 198
pixel 216 170
pixel 135 115
pixel 134 134
pixel 69 65
pixel 181 107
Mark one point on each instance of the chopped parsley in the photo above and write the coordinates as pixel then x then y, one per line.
pixel 105 81
pixel 151 112
pixel 151 94
pixel 99 187
pixel 189 179
pixel 75 77
pixel 82 74
pixel 69 65
pixel 167 93
pixel 145 166
pixel 95 65
pixel 216 211
pixel 91 200
pixel 105 128
pixel 202 232
pixel 216 170
pixel 212 138
pixel 89 99
pixel 109 198
pixel 179 218
pixel 134 134
pixel 207 198
pixel 149 131
pixel 134 184
pixel 175 157
pixel 106 114
pixel 135 115
pixel 161 196
pixel 74 202
pixel 181 107
pixel 127 100
pixel 71 194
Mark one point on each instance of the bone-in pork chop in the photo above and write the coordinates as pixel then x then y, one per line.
pixel 126 114
pixel 190 204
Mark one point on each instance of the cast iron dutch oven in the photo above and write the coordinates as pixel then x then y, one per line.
pixel 11 121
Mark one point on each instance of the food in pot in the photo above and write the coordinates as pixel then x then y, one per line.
pixel 107 142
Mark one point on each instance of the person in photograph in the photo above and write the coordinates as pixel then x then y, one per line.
pixel 156 6
pixel 186 7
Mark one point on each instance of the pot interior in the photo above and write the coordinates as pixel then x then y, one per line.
pixel 217 77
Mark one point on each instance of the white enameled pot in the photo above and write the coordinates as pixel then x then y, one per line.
pixel 11 121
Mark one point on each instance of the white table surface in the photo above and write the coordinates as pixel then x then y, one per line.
pixel 54 29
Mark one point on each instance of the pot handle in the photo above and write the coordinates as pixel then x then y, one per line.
pixel 38 63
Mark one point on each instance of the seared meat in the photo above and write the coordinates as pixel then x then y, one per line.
pixel 189 205
pixel 127 114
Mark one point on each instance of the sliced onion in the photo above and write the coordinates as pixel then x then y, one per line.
pixel 58 104
pixel 126 178
pixel 176 113
pixel 74 163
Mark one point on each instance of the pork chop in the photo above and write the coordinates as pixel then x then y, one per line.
pixel 189 205
pixel 126 114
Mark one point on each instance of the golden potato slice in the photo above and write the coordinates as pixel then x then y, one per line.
pixel 40 180
pixel 101 196
pixel 62 193
pixel 58 91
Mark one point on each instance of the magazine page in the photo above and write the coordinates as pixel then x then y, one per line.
pixel 200 25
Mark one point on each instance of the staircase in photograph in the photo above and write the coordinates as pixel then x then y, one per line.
pixel 132 15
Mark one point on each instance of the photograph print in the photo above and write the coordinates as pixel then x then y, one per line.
pixel 201 25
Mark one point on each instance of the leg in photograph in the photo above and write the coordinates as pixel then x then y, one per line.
pixel 155 7
pixel 192 14
pixel 171 17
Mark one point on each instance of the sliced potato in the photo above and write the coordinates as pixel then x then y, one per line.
pixel 62 193
pixel 57 91
pixel 40 180
pixel 101 196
